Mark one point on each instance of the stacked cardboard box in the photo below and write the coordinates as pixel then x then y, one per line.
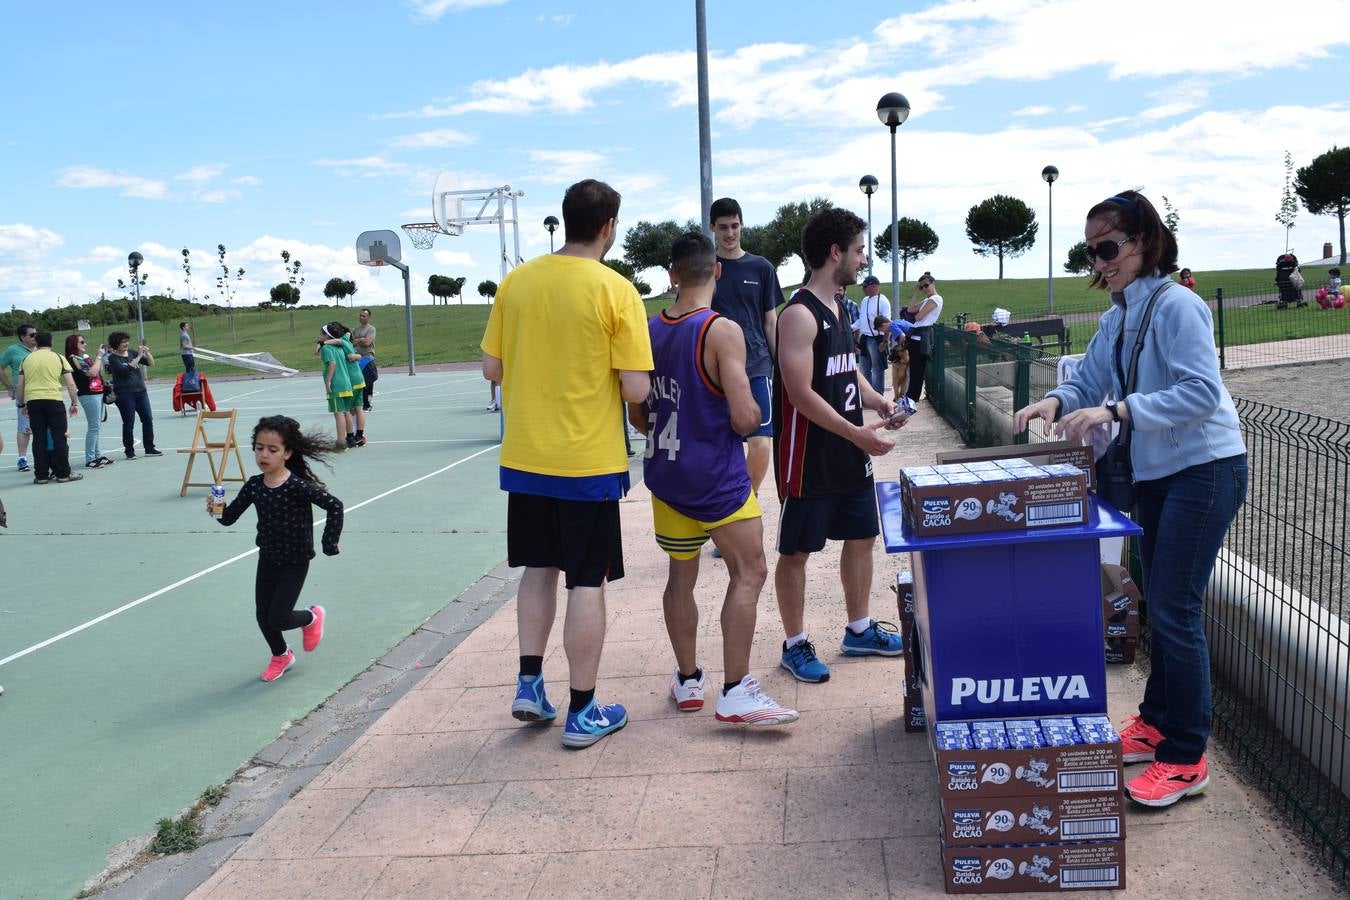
pixel 1120 611
pixel 1073 453
pixel 915 721
pixel 1030 805
pixel 999 495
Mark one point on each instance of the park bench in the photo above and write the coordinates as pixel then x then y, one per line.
pixel 1044 333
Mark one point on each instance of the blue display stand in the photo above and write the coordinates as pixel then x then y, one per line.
pixel 1009 623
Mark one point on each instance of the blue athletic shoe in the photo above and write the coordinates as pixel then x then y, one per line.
pixel 531 704
pixel 800 659
pixel 877 639
pixel 592 723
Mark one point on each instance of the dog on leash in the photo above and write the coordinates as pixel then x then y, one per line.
pixel 898 357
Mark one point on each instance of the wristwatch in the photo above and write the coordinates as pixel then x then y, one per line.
pixel 1114 409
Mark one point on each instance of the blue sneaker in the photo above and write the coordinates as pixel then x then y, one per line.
pixel 800 659
pixel 877 639
pixel 531 704
pixel 591 723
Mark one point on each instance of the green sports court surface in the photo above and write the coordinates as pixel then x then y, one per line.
pixel 128 653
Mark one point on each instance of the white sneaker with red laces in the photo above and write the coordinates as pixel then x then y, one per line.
pixel 688 695
pixel 747 704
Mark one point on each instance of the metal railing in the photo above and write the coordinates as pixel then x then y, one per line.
pixel 1251 326
pixel 976 382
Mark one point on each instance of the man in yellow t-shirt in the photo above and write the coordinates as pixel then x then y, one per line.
pixel 567 340
pixel 39 395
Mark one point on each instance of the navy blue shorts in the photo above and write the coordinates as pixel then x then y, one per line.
pixel 805 523
pixel 761 386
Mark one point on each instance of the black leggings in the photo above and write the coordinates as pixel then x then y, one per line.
pixel 918 364
pixel 276 591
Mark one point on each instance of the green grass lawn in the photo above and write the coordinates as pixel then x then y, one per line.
pixel 451 333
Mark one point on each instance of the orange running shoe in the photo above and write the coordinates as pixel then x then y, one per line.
pixel 278 666
pixel 1163 784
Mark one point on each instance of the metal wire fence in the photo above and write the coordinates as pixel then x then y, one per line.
pixel 1279 642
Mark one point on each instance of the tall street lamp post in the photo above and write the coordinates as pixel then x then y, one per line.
pixel 1050 173
pixel 893 110
pixel 134 261
pixel 868 185
pixel 551 223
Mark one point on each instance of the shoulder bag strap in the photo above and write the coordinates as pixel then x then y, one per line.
pixel 1128 382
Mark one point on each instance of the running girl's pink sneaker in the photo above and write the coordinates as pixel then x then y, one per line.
pixel 312 633
pixel 278 666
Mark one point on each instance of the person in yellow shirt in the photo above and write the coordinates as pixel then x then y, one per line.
pixel 39 395
pixel 567 339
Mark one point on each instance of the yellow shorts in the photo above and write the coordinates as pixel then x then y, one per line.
pixel 682 537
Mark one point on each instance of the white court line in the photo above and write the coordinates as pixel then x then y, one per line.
pixel 249 394
pixel 220 565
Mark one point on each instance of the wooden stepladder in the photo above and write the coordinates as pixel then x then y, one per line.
pixel 204 445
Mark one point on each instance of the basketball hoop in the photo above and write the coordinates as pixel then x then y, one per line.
pixel 422 234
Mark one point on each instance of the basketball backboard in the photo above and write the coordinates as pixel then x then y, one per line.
pixel 375 248
pixel 447 204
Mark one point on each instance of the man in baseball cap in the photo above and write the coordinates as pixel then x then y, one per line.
pixel 872 342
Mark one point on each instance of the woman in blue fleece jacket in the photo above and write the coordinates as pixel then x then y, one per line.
pixel 1190 472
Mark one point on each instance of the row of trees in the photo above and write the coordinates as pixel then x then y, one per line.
pixel 105 312
pixel 443 287
pixel 1000 226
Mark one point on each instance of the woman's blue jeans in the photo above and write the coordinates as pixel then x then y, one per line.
pixel 91 406
pixel 131 406
pixel 1185 517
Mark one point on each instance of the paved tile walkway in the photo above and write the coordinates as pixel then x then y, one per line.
pixel 1283 353
pixel 447 796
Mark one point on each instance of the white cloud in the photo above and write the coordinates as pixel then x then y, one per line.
pixel 563 20
pixel 565 166
pixel 431 10
pixel 367 163
pixel 201 183
pixel 201 173
pixel 1177 99
pixel 435 139
pixel 101 254
pixel 31 287
pixel 1034 111
pixel 246 181
pixel 453 258
pixel 1021 40
pixel 26 242
pixel 130 185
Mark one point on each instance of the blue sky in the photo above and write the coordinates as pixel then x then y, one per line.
pixel 269 126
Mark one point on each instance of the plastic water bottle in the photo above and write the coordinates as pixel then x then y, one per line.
pixel 1026 337
pixel 217 501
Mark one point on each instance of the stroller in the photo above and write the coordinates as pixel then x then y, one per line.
pixel 1289 280
pixel 190 390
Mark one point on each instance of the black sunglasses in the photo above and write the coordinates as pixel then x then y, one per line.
pixel 1106 250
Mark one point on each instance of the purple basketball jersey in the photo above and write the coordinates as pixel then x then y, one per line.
pixel 695 462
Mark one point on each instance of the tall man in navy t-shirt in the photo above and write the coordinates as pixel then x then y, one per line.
pixel 748 294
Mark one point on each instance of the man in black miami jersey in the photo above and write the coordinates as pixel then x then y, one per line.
pixel 822 449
